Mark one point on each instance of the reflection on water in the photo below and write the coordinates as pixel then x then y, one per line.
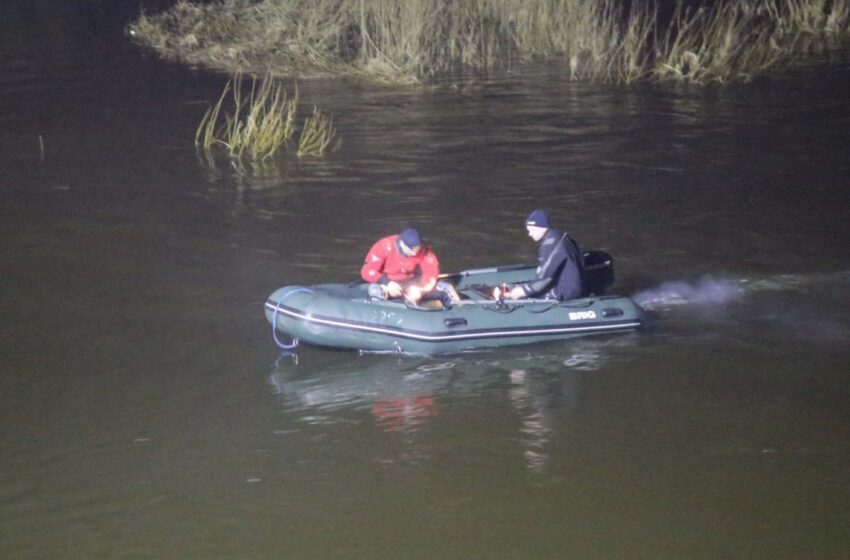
pixel 542 405
pixel 407 395
pixel 362 380
pixel 405 414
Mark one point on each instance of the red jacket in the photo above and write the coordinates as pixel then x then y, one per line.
pixel 384 262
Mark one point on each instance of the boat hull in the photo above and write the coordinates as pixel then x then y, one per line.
pixel 343 316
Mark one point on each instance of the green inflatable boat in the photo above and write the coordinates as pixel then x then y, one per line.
pixel 344 316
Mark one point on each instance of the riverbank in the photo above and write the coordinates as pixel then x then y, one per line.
pixel 412 42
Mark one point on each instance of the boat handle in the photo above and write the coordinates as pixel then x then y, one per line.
pixel 455 322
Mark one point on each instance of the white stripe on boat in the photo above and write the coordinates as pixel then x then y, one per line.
pixel 459 336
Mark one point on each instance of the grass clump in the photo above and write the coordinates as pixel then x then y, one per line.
pixel 258 124
pixel 261 122
pixel 317 136
pixel 413 40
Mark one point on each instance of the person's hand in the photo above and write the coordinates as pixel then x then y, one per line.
pixel 394 289
pixel 413 294
pixel 517 292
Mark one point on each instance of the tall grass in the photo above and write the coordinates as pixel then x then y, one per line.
pixel 720 44
pixel 408 41
pixel 838 20
pixel 811 19
pixel 737 40
pixel 260 123
pixel 255 125
pixel 317 136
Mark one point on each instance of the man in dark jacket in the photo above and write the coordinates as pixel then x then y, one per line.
pixel 560 265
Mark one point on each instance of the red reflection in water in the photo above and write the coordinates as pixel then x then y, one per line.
pixel 396 414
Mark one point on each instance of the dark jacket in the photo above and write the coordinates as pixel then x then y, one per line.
pixel 560 268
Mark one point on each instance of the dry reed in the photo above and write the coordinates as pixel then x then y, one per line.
pixel 411 40
pixel 715 45
pixel 318 135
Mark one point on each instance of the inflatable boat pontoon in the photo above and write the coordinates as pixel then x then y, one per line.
pixel 344 316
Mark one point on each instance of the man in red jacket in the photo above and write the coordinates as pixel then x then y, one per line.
pixel 401 266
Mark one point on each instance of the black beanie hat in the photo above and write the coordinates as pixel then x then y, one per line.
pixel 410 237
pixel 537 218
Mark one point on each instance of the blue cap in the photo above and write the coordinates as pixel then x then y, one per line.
pixel 410 237
pixel 537 218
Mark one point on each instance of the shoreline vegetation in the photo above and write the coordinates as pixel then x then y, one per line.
pixel 414 41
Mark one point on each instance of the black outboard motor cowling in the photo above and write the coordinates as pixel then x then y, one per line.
pixel 598 272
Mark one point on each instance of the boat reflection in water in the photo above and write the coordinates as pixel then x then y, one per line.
pixel 399 392
pixel 407 395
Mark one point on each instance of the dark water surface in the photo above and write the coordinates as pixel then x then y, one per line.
pixel 146 413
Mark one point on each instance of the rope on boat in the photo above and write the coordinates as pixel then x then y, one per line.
pixel 277 341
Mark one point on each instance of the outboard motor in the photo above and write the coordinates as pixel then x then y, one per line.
pixel 598 272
